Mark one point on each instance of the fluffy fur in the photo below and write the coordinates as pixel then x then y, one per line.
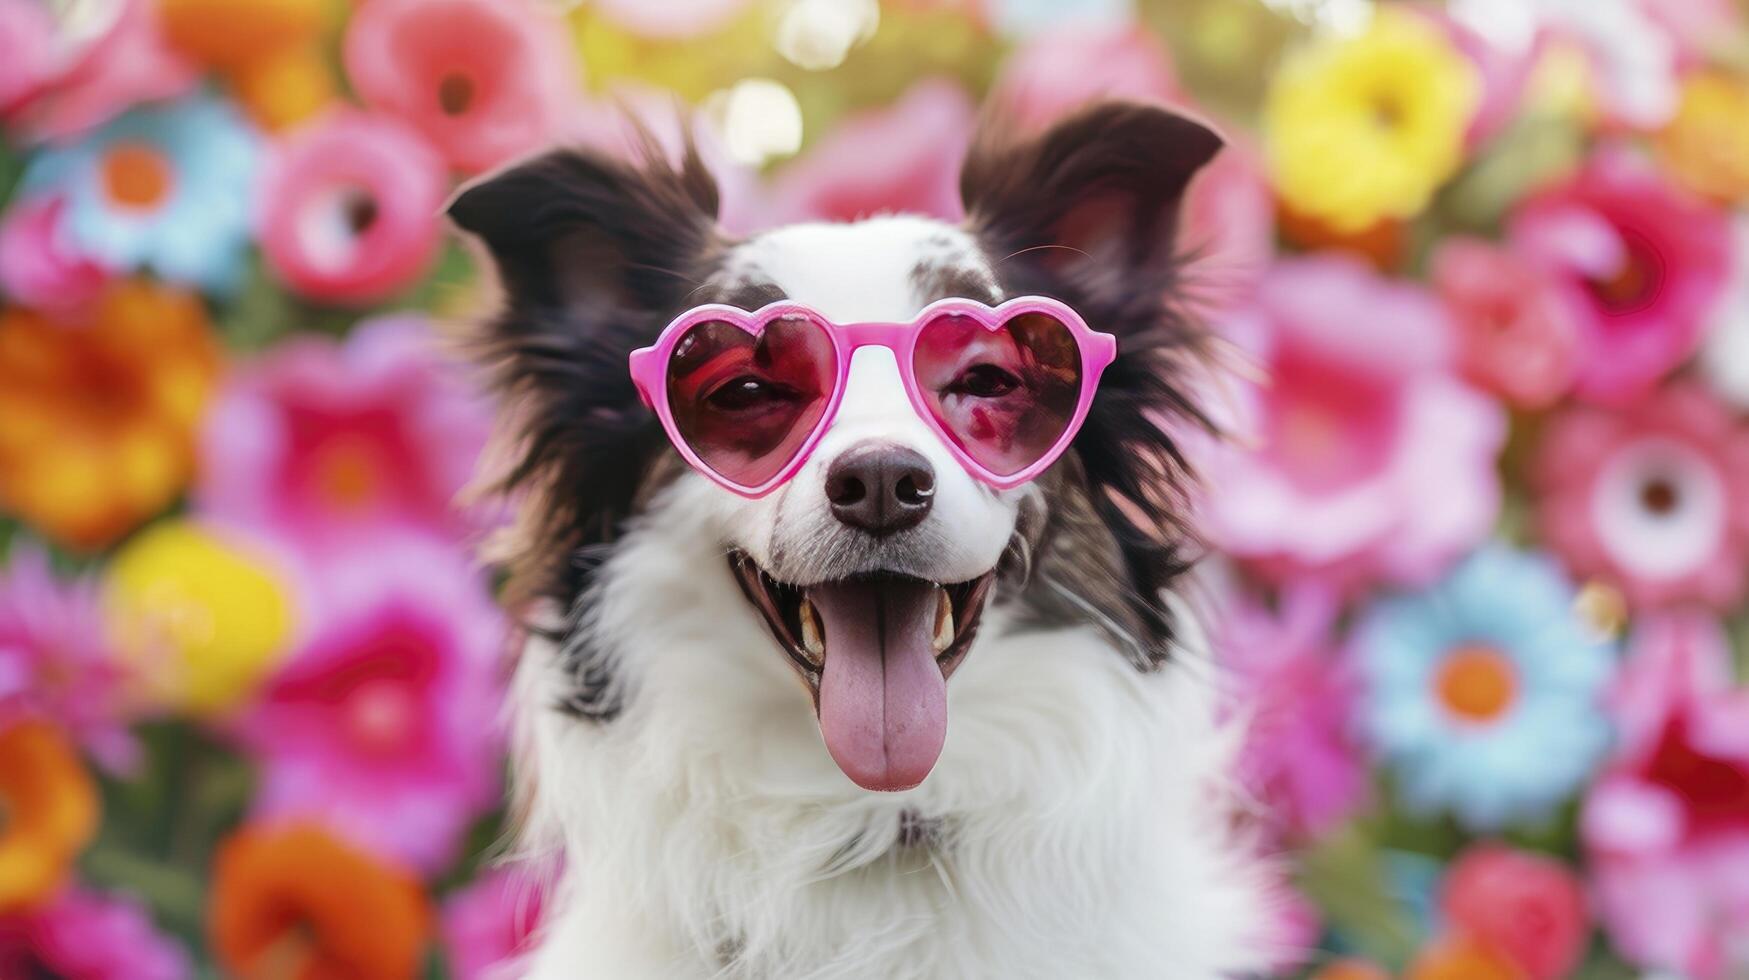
pixel 1078 823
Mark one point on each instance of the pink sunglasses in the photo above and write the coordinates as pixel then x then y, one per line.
pixel 745 397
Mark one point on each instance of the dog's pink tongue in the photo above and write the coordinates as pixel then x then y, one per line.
pixel 883 701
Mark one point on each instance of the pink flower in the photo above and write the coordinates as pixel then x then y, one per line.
pixel 38 266
pixel 351 208
pixel 1298 756
pixel 82 935
pixel 1529 907
pixel 27 51
pixel 903 158
pixel 96 79
pixel 670 20
pixel 1055 73
pixel 1653 496
pixel 322 441
pixel 1667 826
pixel 384 724
pixel 1641 263
pixel 484 80
pixel 1361 457
pixel 1516 335
pixel 54 662
pixel 487 924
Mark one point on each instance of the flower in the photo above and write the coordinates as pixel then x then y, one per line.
pixel 322 441
pixel 55 665
pixel 27 41
pixel 484 80
pixel 1704 146
pixel 1666 828
pixel 294 901
pixel 1641 263
pixel 50 804
pixel 1054 74
pixel 1653 496
pixel 1526 906
pixel 38 267
pixel 83 935
pixel 351 208
pixel 1028 18
pixel 111 62
pixel 1724 360
pixel 1298 756
pixel 1363 129
pixel 1351 969
pixel 490 921
pixel 166 189
pixel 1461 959
pixel 1368 459
pixel 97 412
pixel 1516 335
pixel 1484 691
pixel 383 724
pixel 200 619
pixel 270 50
pixel 902 158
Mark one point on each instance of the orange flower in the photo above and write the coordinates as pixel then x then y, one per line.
pixel 97 413
pixel 1351 969
pixel 49 806
pixel 294 903
pixel 1462 959
pixel 271 50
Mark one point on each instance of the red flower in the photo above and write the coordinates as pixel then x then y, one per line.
pixel 1528 907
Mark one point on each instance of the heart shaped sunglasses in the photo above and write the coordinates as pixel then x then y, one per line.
pixel 745 397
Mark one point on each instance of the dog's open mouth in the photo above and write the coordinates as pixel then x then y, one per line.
pixel 876 650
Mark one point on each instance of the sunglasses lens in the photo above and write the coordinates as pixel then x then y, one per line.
pixel 745 403
pixel 1005 396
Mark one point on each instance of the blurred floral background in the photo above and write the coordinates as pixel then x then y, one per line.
pixel 1485 511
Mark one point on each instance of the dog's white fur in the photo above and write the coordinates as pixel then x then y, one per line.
pixel 1083 810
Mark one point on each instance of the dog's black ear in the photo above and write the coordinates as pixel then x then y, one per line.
pixel 593 254
pixel 1088 212
pixel 573 228
pixel 1093 201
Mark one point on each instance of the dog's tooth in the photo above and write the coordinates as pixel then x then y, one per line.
pixel 943 620
pixel 813 645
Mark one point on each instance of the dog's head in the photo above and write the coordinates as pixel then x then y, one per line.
pixel 873 565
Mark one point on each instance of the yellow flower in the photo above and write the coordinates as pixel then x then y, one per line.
pixel 98 413
pixel 200 621
pixel 1364 129
pixel 50 808
pixel 1706 145
pixel 271 51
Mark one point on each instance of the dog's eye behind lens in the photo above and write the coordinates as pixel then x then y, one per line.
pixel 747 392
pixel 984 381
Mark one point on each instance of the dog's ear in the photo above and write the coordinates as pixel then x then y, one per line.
pixel 593 254
pixel 1088 212
pixel 574 229
pixel 1093 202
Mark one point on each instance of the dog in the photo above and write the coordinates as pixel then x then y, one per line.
pixel 1057 804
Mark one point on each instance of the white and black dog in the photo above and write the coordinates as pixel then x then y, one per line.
pixel 1078 822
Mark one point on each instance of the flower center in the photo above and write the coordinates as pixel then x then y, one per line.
pixel 291 954
pixel 1659 496
pixel 136 175
pixel 347 476
pixel 360 210
pixel 1476 683
pixel 379 715
pixel 455 93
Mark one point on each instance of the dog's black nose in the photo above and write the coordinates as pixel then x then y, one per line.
pixel 881 488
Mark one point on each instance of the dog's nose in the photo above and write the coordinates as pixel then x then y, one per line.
pixel 881 488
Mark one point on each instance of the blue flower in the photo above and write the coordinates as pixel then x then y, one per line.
pixel 168 188
pixel 1484 692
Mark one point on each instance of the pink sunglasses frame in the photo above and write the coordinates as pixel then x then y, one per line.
pixel 649 368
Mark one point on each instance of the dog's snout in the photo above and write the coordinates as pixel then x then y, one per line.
pixel 881 488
